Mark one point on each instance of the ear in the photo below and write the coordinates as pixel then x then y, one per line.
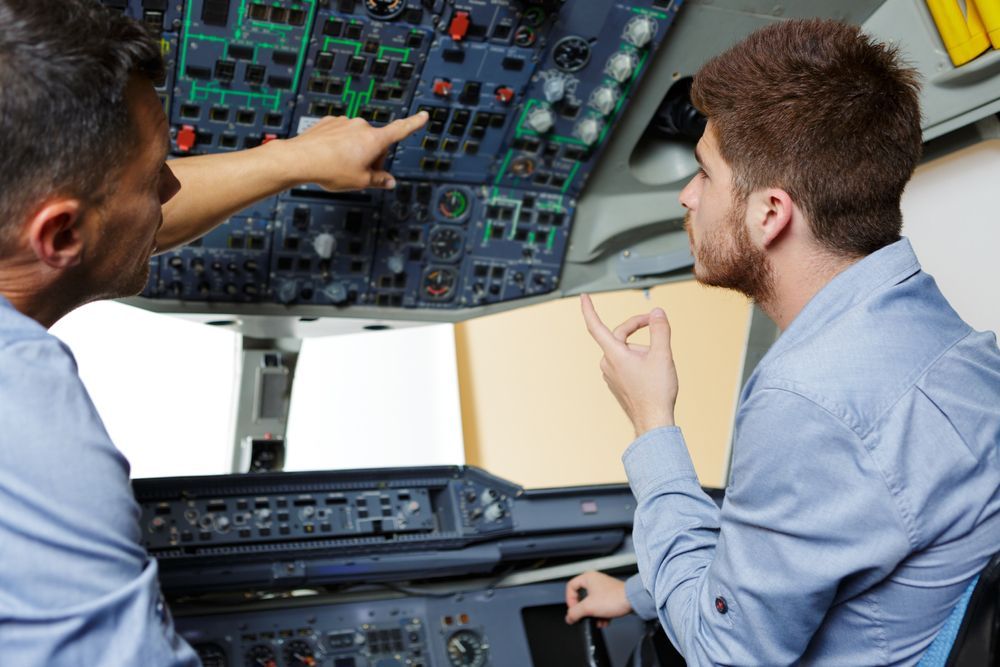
pixel 54 233
pixel 771 212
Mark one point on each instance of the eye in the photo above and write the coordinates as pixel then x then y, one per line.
pixel 702 173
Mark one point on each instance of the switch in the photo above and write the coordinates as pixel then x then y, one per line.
pixel 589 130
pixel 504 95
pixel 621 66
pixel 459 26
pixel 640 31
pixel 186 138
pixel 324 245
pixel 554 89
pixel 604 99
pixel 442 88
pixel 540 119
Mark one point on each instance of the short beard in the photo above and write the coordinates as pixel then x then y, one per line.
pixel 728 258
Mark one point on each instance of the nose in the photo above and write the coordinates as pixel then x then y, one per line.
pixel 689 195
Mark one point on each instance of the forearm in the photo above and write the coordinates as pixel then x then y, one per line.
pixel 214 187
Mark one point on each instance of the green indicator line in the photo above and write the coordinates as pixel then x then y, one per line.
pixel 270 26
pixel 624 96
pixel 552 239
pixel 209 38
pixel 567 140
pixel 489 230
pixel 302 49
pixel 531 238
pixel 332 40
pixel 494 194
pixel 348 95
pixel 569 179
pixel 503 167
pixel 405 52
pixel 650 12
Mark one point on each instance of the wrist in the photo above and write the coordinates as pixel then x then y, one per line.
pixel 278 156
pixel 644 426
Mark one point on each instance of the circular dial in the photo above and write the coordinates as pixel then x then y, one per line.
pixel 439 284
pixel 446 243
pixel 299 654
pixel 211 655
pixel 571 54
pixel 385 9
pixel 261 655
pixel 453 204
pixel 466 649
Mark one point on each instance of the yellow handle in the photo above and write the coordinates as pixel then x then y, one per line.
pixel 989 11
pixel 964 35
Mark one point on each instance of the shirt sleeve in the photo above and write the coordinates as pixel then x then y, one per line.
pixel 807 519
pixel 76 586
pixel 639 598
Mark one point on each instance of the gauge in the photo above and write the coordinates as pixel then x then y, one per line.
pixel 261 655
pixel 385 9
pixel 446 243
pixel 524 36
pixel 299 654
pixel 571 54
pixel 439 284
pixel 467 649
pixel 211 655
pixel 453 204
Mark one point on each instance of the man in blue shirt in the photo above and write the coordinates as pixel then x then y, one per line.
pixel 864 495
pixel 86 197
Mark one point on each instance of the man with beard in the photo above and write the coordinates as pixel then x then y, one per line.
pixel 85 198
pixel 864 494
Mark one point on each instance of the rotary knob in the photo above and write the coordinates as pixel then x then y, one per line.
pixel 640 31
pixel 554 89
pixel 589 130
pixel 287 291
pixel 337 293
pixel 621 66
pixel 396 264
pixel 494 512
pixel 540 119
pixel 324 245
pixel 604 99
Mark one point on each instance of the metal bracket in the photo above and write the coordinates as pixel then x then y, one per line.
pixel 631 267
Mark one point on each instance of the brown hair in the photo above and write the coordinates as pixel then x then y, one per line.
pixel 820 110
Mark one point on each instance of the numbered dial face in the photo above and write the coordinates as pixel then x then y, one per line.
pixel 453 204
pixel 385 9
pixel 300 654
pixel 261 656
pixel 446 243
pixel 467 649
pixel 571 54
pixel 439 284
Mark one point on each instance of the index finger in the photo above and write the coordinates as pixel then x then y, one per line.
pixel 400 129
pixel 598 330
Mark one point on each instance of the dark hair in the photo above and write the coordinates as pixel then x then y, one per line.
pixel 64 123
pixel 822 111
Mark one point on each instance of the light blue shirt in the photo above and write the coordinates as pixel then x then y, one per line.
pixel 76 587
pixel 864 493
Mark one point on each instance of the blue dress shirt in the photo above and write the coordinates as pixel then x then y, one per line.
pixel 76 587
pixel 864 493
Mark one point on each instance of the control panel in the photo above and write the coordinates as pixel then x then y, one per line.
pixel 522 97
pixel 282 530
pixel 472 627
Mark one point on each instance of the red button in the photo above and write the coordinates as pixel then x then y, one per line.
pixel 442 88
pixel 269 138
pixel 720 605
pixel 186 138
pixel 504 95
pixel 459 26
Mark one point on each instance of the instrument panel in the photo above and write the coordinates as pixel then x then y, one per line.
pixel 522 97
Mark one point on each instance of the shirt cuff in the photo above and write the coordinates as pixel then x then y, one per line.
pixel 656 457
pixel 639 598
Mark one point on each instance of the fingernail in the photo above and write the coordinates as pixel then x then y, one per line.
pixel 391 183
pixel 658 312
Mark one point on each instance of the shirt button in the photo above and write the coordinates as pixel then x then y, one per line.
pixel 720 605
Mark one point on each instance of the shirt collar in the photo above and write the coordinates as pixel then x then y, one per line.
pixel 888 265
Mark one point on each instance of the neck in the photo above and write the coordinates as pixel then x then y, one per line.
pixel 43 297
pixel 798 277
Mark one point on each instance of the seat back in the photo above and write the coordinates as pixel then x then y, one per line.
pixel 976 644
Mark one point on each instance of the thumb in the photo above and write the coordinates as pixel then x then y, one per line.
pixel 578 612
pixel 382 179
pixel 659 331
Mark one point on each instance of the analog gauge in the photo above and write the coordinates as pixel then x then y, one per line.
pixel 466 649
pixel 453 204
pixel 439 284
pixel 261 655
pixel 525 36
pixel 385 9
pixel 571 54
pixel 211 655
pixel 299 654
pixel 446 243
